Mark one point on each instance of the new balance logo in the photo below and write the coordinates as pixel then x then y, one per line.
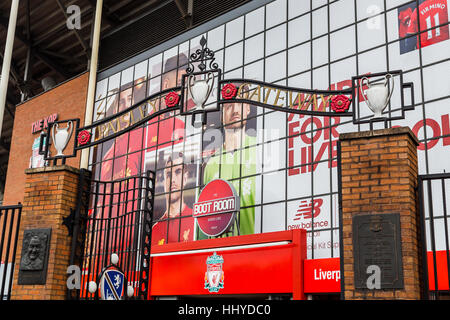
pixel 308 208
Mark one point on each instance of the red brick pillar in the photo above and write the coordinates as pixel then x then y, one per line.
pixel 50 193
pixel 379 176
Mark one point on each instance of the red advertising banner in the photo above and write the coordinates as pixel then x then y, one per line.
pixel 233 265
pixel 322 275
pixel 442 271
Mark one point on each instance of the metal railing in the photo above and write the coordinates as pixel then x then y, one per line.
pixel 434 202
pixel 9 231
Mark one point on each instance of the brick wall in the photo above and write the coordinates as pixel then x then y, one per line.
pixel 68 100
pixel 50 193
pixel 379 175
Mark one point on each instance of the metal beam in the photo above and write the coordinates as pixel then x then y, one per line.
pixel 52 14
pixel 190 12
pixel 93 65
pixel 22 85
pixel 6 65
pixel 9 106
pixel 138 17
pixel 28 62
pixel 137 11
pixel 60 27
pixel 110 17
pixel 55 66
pixel 73 59
pixel 75 31
pixel 5 144
pixel 186 13
pixel 119 5
pixel 63 37
pixel 36 50
pixel 14 72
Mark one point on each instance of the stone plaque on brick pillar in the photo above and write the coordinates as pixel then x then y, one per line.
pixel 34 258
pixel 376 242
pixel 379 173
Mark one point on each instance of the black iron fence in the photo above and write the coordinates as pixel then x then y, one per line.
pixel 118 220
pixel 434 202
pixel 9 230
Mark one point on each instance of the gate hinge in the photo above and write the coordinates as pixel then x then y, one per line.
pixel 69 221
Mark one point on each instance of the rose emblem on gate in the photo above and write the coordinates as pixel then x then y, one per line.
pixel 172 99
pixel 340 103
pixel 229 91
pixel 84 137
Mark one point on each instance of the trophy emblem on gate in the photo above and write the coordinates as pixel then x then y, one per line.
pixel 214 274
pixel 200 90
pixel 377 95
pixel 376 90
pixel 198 83
pixel 61 137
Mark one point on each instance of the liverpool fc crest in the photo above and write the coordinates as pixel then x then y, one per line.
pixel 214 273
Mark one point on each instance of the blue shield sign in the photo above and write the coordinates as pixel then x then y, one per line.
pixel 112 285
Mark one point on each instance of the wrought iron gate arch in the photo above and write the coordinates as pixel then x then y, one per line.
pixel 333 103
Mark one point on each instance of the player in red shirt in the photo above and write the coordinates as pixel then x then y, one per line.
pixel 168 229
pixel 430 14
pixel 404 18
pixel 170 129
pixel 126 143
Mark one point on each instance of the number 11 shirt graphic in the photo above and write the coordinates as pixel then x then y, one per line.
pixel 433 17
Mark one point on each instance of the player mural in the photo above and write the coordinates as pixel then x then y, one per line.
pixel 424 25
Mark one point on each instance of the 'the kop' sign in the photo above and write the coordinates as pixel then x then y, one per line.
pixel 216 207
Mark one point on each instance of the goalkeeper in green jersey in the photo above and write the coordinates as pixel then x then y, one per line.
pixel 236 159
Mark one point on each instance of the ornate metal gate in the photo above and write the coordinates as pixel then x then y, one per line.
pixel 113 217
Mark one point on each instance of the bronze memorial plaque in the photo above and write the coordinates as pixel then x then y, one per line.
pixel 34 259
pixel 377 242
